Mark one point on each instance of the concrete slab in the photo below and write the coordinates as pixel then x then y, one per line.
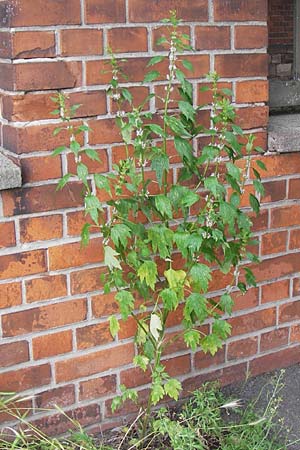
pixel 284 133
pixel 10 173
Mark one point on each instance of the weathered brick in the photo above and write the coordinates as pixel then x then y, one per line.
pixel 279 165
pixel 40 168
pixel 41 199
pixel 204 360
pixel 274 338
pixel 289 312
pixel 245 301
pixel 294 188
pixel 139 10
pixel 76 221
pixel 27 107
pixel 88 280
pixel 278 360
pixel 278 290
pixel 252 91
pixel 73 255
pixel 93 335
pixel 253 117
pixel 82 366
pixel 14 353
pixel 93 166
pixel 97 387
pixel 294 239
pixel 274 242
pixel 41 228
pixel 212 38
pixel 7 234
pixel 22 264
pixel 274 191
pixel 5 44
pixel 97 11
pixel 285 216
pixel 52 344
pixel 242 348
pixel 250 37
pixel 129 39
pixel 277 267
pixel 62 396
pixel 22 14
pixel 242 65
pixel 104 305
pixel 43 318
pixel 10 295
pixel 240 10
pixel 45 288
pixel 33 44
pixel 253 321
pixel 23 379
pixel 81 42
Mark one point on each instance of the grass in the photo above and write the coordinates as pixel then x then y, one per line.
pixel 208 421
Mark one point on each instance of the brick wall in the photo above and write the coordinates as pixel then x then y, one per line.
pixel 55 342
pixel 281 38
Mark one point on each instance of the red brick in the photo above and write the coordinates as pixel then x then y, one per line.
pixel 33 44
pixel 253 321
pixel 58 13
pixel 124 40
pixel 6 76
pixel 43 318
pixel 93 103
pixel 76 221
pixel 105 131
pixel 40 168
pixel 212 38
pixel 253 117
pixel 27 107
pixel 93 335
pixel 289 312
pixel 97 11
pixel 277 290
pixel 286 216
pixel 274 242
pixel 139 10
pixel 294 240
pixel 5 44
pixel 274 338
pixel 93 166
pixel 242 349
pixel 278 360
pixel 23 379
pixel 34 138
pixel 240 10
pixel 251 37
pixel 205 360
pixel 81 42
pixel 252 91
pixel 97 387
pixel 242 65
pixel 260 222
pixel 35 76
pixel 93 363
pixel 104 305
pixel 274 191
pixel 41 228
pixel 294 188
pixel 41 199
pixel 45 288
pixel 52 344
pixel 295 333
pixel 277 267
pixel 83 281
pixel 14 353
pixel 279 165
pixel 164 31
pixel 21 264
pixel 10 295
pixel 139 94
pixel 245 301
pixel 296 287
pixel 135 377
pixel 62 396
pixel 7 234
pixel 73 255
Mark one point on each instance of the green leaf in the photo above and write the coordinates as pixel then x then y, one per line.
pixel 110 259
pixel 114 326
pixel 126 303
pixel 169 298
pixel 155 326
pixel 196 305
pixel 201 276
pixel 160 164
pixel 75 147
pixel 85 234
pixel 175 278
pixel 92 154
pixel 141 361
pixel 260 164
pixel 250 278
pixel 157 393
pixel 58 150
pixel 57 131
pixel 92 206
pixel 192 339
pixel 120 234
pixel 163 206
pixel 102 182
pixel 187 64
pixel 211 343
pixel 254 203
pixel 187 110
pixel 151 76
pixel 234 171
pixel 172 388
pixel 258 186
pixel 148 272
pixel 184 148
pixel 82 172
pixel 227 91
pixel 126 95
pixel 156 129
pixel 221 328
pixel 155 60
pixel 63 181
pixel 226 303
pixel 212 184
pixel 176 126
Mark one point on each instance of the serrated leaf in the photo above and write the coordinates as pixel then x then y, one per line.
pixel 120 234
pixel 163 205
pixel 85 234
pixel 92 207
pixel 169 298
pixel 58 150
pixel 260 164
pixel 221 328
pixel 196 304
pixel 192 339
pixel 172 388
pixel 148 272
pixel 126 303
pixel 102 182
pixel 127 95
pixel 114 326
pixel 160 164
pixel 176 278
pixel 157 393
pixel 141 361
pixel 184 148
pixel 151 76
pixel 177 127
pixel 82 172
pixel 63 181
pixel 254 203
pixel 233 170
pixel 226 303
pixel 156 129
pixel 188 65
pixel 155 60
pixel 92 154
pixel 110 258
pixel 201 276
pixel 211 344
pixel 155 326
pixel 250 278
pixel 187 110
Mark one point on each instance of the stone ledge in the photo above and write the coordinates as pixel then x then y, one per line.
pixel 10 173
pixel 284 96
pixel 284 133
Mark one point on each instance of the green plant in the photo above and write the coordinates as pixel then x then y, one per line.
pixel 164 240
